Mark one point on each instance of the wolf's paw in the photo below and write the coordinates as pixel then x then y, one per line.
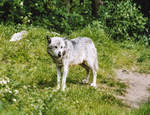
pixel 93 85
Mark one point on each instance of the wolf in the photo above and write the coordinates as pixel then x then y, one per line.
pixel 65 53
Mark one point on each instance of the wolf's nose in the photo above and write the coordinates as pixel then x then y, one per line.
pixel 59 54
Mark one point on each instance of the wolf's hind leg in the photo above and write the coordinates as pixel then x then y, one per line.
pixel 87 68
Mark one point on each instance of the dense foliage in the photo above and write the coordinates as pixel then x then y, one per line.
pixel 121 19
pixel 53 14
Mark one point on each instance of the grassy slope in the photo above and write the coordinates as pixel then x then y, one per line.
pixel 32 73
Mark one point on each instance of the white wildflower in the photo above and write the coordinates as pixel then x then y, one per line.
pixel 10 91
pixel 14 100
pixel 28 21
pixel 21 17
pixel 16 91
pixel 21 3
pixel 4 82
pixel 25 87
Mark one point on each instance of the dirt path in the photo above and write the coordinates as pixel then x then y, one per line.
pixel 137 92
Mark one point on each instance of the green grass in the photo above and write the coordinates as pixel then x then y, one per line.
pixel 143 110
pixel 30 71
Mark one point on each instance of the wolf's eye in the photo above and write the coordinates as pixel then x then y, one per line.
pixel 55 46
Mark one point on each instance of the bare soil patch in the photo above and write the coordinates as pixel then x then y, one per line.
pixel 137 93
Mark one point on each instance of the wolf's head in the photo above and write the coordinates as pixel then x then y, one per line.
pixel 56 46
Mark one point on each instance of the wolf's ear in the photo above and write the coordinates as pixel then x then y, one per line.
pixel 48 39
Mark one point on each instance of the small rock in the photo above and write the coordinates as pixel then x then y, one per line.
pixel 18 36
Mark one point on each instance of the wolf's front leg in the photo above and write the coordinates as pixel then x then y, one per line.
pixel 65 72
pixel 58 77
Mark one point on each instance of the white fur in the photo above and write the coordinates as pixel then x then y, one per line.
pixel 66 53
pixel 18 36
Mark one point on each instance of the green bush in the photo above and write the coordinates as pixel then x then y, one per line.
pixel 123 20
pixel 12 10
pixel 54 14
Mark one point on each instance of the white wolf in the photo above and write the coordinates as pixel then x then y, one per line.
pixel 66 53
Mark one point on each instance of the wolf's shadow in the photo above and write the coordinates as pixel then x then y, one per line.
pixel 53 82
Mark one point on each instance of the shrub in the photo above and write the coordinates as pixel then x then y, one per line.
pixel 49 14
pixel 12 10
pixel 123 20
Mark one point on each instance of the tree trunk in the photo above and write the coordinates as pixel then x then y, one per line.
pixel 145 6
pixel 95 5
pixel 81 2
